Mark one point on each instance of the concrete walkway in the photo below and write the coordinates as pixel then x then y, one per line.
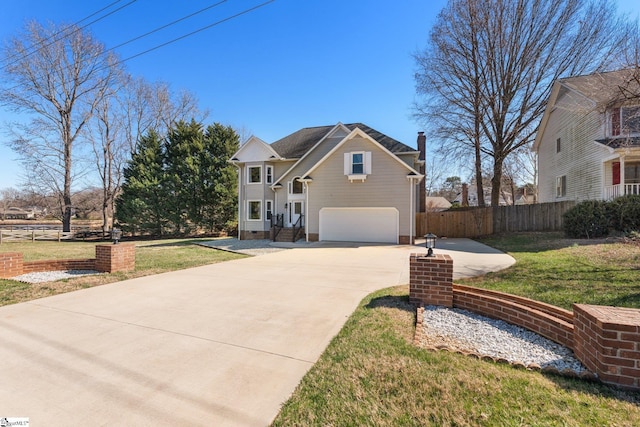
pixel 222 345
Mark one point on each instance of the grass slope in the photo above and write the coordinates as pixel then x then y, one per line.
pixel 372 375
pixel 152 257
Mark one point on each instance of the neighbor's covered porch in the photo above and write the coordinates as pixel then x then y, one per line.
pixel 622 176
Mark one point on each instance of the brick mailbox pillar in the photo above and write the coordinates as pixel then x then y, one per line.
pixel 607 341
pixel 112 258
pixel 431 280
pixel 11 264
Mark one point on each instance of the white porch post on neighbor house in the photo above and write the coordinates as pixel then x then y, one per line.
pixel 623 182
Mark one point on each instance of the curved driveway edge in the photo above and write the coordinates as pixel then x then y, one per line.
pixel 224 344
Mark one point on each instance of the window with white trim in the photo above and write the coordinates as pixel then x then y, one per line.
pixel 357 164
pixel 561 186
pixel 268 209
pixel 269 175
pixel 296 186
pixel 254 174
pixel 254 210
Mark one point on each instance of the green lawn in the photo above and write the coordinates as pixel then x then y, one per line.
pixel 560 271
pixel 372 375
pixel 152 257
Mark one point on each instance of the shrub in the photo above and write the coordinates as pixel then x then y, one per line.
pixel 624 213
pixel 588 219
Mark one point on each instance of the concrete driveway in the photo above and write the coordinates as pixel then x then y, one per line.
pixel 222 345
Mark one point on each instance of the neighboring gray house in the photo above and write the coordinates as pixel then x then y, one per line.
pixel 335 183
pixel 588 142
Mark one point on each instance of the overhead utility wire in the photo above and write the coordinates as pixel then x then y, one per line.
pixel 191 15
pixel 41 45
pixel 244 12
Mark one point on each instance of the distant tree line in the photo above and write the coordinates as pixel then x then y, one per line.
pixel 180 184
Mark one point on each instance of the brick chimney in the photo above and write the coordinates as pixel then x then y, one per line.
pixel 422 202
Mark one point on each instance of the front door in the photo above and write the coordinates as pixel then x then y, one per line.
pixel 296 209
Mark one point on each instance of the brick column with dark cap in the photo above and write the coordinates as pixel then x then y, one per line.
pixel 112 258
pixel 431 280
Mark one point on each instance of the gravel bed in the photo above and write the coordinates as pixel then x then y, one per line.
pixel 52 276
pixel 463 330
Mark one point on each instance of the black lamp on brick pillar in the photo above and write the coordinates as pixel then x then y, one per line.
pixel 430 243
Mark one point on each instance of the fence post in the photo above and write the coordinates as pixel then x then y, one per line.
pixel 33 236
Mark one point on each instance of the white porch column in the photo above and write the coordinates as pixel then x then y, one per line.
pixel 622 178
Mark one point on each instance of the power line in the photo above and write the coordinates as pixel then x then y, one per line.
pixel 244 12
pixel 166 25
pixel 63 31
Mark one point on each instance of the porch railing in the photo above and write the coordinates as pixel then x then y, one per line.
pixel 613 191
pixel 299 224
pixel 277 224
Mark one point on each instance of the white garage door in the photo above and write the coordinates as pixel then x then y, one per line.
pixel 359 225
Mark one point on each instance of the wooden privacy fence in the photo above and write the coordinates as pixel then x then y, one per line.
pixel 474 222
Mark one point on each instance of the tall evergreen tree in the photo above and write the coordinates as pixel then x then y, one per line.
pixel 182 184
pixel 142 205
pixel 219 178
pixel 184 148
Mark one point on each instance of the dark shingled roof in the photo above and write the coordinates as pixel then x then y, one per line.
pixel 623 142
pixel 298 143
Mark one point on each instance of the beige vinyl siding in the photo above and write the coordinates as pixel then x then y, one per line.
pixel 386 186
pixel 281 167
pixel 578 124
pixel 408 158
pixel 259 192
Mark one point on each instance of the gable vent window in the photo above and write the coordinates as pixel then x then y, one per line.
pixel 558 145
pixel 357 165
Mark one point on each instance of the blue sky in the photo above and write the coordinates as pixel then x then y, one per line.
pixel 287 65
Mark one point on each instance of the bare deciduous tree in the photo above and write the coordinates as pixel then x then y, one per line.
pixel 148 106
pixel 55 75
pixel 490 64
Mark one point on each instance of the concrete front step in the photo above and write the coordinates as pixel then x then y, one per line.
pixel 286 235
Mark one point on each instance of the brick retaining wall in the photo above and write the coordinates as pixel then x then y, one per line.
pixel 605 339
pixel 58 265
pixel 608 343
pixel 109 259
pixel 544 319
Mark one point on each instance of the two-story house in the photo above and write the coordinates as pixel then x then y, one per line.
pixel 588 142
pixel 330 183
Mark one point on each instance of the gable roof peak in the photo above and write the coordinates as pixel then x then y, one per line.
pixel 295 145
